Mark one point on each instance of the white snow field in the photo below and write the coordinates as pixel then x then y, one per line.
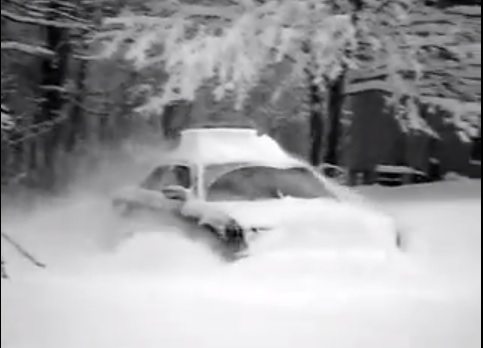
pixel 159 290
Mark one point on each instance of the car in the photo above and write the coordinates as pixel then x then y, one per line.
pixel 237 185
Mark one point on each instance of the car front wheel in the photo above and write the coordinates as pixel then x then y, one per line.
pixel 232 239
pixel 235 238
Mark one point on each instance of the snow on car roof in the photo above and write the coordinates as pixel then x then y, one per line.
pixel 230 145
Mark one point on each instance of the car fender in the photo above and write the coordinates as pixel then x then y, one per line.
pixel 225 228
pixel 206 215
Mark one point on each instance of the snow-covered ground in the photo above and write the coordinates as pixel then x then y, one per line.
pixel 159 290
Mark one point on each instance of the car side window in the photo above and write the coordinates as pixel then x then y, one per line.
pixel 154 180
pixel 179 176
pixel 168 176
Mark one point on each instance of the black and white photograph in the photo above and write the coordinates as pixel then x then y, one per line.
pixel 241 174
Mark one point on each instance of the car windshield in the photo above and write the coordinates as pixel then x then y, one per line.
pixel 253 183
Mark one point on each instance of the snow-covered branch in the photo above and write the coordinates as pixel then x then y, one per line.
pixel 7 121
pixel 8 15
pixel 397 46
pixel 222 12
pixel 26 48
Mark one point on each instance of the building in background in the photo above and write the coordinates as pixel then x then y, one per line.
pixel 450 95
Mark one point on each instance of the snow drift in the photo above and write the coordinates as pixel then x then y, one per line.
pixel 159 289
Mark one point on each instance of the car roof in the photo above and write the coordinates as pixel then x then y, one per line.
pixel 212 146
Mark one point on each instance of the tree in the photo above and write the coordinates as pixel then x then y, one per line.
pixel 235 44
pixel 60 95
pixel 48 49
pixel 45 68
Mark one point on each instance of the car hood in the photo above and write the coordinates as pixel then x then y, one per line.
pixel 291 212
pixel 313 223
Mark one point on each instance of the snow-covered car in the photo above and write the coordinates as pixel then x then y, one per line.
pixel 239 185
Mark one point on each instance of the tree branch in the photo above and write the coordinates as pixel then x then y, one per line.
pixel 26 48
pixel 22 251
pixel 222 12
pixel 4 274
pixel 40 21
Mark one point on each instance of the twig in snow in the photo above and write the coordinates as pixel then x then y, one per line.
pixel 4 270
pixel 22 252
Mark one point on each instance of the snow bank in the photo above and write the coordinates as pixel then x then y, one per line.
pixel 160 290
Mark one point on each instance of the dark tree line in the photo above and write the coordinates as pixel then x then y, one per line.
pixel 54 89
pixel 59 95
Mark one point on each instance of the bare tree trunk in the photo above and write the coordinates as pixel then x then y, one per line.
pixel 54 73
pixel 76 126
pixel 176 117
pixel 335 110
pixel 316 122
pixel 336 96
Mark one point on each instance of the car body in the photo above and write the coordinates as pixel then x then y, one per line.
pixel 239 185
